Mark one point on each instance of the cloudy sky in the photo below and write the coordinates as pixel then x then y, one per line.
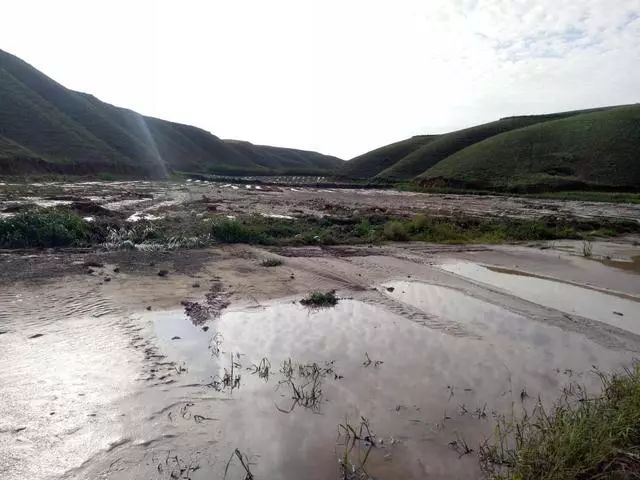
pixel 337 76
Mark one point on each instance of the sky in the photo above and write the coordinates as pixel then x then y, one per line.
pixel 337 76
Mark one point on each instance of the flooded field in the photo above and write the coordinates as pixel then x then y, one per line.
pixel 145 199
pixel 215 370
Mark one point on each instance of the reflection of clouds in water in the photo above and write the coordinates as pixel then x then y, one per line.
pixel 510 353
pixel 561 296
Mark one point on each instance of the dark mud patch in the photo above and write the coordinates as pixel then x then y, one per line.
pixel 39 265
pixel 216 300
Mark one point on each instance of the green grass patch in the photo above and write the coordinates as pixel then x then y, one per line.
pixel 62 227
pixel 44 228
pixel 581 437
pixel 320 300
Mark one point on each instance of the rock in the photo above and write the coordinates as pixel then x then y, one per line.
pixel 149 307
pixel 176 338
pixel 107 279
pixel 390 289
pixel 205 328
pixel 620 314
pixel 195 285
pixel 116 270
pixel 163 273
pixel 37 335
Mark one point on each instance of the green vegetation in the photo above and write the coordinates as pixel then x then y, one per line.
pixel 596 150
pixel 61 227
pixel 320 300
pixel 585 150
pixel 48 129
pixel 43 228
pixel 372 163
pixel 271 262
pixel 582 437
pixel 408 158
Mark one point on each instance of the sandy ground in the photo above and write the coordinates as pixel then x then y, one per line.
pixel 104 375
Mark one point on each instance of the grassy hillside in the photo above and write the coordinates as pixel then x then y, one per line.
pixel 47 128
pixel 370 164
pixel 600 149
pixel 445 145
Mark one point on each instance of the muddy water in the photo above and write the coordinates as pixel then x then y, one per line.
pixel 619 311
pixel 92 391
pixel 419 388
pixel 62 368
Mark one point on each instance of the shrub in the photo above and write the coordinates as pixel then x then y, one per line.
pixel 319 299
pixel 43 228
pixel 234 231
pixel 396 231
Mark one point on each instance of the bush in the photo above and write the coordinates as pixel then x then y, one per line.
pixel 396 231
pixel 43 228
pixel 233 231
pixel 319 299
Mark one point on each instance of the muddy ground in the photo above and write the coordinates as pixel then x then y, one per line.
pixel 132 364
pixel 142 199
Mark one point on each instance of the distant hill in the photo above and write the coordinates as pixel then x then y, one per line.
pixel 370 164
pixel 595 148
pixel 47 128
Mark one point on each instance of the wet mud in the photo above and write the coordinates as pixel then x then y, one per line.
pixel 216 368
pixel 135 200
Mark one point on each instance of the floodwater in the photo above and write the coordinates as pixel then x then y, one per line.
pixel 93 390
pixel 618 311
pixel 82 397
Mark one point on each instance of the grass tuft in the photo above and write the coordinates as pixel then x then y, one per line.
pixel 582 437
pixel 320 300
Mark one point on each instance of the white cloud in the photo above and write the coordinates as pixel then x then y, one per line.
pixel 337 76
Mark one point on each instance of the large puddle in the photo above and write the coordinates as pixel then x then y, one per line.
pixel 272 384
pixel 276 381
pixel 618 311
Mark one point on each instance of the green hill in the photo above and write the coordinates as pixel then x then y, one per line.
pixel 47 128
pixel 600 149
pixel 370 164
pixel 445 145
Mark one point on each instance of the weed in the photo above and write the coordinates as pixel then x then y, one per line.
pixel 360 439
pixel 320 300
pixel 262 369
pixel 587 248
pixel 244 463
pixel 581 437
pixel 461 446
